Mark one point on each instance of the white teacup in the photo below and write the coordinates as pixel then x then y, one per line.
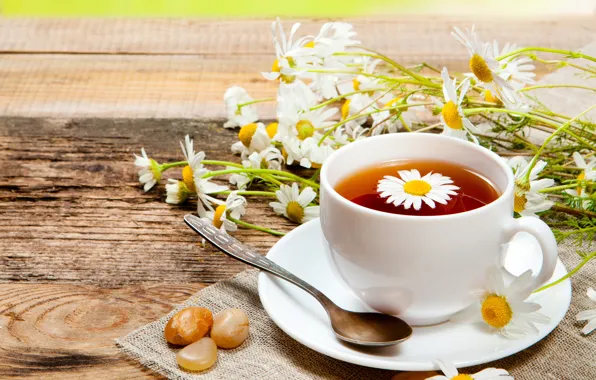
pixel 422 268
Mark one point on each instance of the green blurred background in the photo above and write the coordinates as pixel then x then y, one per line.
pixel 312 8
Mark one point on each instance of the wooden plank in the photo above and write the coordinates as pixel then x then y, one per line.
pixel 421 35
pixel 221 54
pixel 71 209
pixel 68 331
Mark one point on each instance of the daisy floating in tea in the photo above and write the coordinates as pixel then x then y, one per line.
pixel 411 189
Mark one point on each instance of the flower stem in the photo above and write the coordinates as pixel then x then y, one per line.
pixel 255 227
pixel 571 273
pixel 572 211
pixel 557 86
pixel 263 171
pixel 170 165
pixel 255 101
pixel 222 163
pixel 562 187
pixel 569 53
pixel 552 136
pixel 250 192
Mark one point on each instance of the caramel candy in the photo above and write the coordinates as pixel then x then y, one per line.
pixel 230 328
pixel 188 326
pixel 198 356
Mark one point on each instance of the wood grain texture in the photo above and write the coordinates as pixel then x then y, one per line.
pixel 77 234
pixel 181 68
pixel 71 209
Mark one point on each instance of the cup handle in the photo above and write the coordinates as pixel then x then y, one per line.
pixel 548 244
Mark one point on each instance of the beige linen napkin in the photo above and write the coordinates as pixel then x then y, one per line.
pixel 270 354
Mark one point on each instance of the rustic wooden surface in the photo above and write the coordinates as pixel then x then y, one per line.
pixel 85 255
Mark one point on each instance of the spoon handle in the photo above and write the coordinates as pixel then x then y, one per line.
pixel 244 253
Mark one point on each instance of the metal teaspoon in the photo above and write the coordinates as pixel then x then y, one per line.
pixel 366 329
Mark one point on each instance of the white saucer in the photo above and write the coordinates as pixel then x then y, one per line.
pixel 300 315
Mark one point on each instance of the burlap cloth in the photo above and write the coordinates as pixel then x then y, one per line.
pixel 271 354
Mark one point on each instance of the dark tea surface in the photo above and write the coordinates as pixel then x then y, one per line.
pixel 474 189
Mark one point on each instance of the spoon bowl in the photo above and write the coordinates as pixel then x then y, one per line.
pixel 365 329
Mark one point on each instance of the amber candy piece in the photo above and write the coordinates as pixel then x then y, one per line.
pixel 188 325
pixel 198 356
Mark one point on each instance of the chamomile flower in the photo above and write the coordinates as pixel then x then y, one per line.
pixel 233 207
pixel 177 191
pixel 314 155
pixel 296 115
pixel 527 199
pixel 356 105
pixel 288 53
pixel 588 315
pixel 392 121
pixel 504 308
pixel 411 189
pixel 451 373
pixel 253 138
pixel 455 124
pixel 588 174
pixel 294 204
pixel 270 158
pixel 364 80
pixel 149 170
pixel 195 163
pixel 239 114
pixel 518 71
pixel 333 37
pixel 204 188
pixel 482 63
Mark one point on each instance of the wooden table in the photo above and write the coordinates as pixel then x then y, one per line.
pixel 85 255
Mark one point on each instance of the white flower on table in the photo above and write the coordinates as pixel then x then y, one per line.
pixel 482 63
pixel 204 188
pixel 451 373
pixel 588 315
pixel 392 121
pixel 294 204
pixel 528 200
pixel 411 189
pixel 455 123
pixel 270 158
pixel 177 191
pixel 289 54
pixel 149 170
pixel 504 308
pixel 234 207
pixel 239 114
pixel 588 174
pixel 253 138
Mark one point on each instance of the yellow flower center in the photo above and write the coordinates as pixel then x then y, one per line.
pixel 480 69
pixel 519 202
pixel 188 178
pixel 155 169
pixel 276 69
pixel 272 130
pixel 246 133
pixel 305 129
pixel 580 177
pixel 417 187
pixel 489 97
pixel 462 376
pixel 217 215
pixel 295 212
pixel 392 103
pixel 284 153
pixel 451 116
pixel 345 109
pixel 310 44
pixel 496 311
pixel 356 84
